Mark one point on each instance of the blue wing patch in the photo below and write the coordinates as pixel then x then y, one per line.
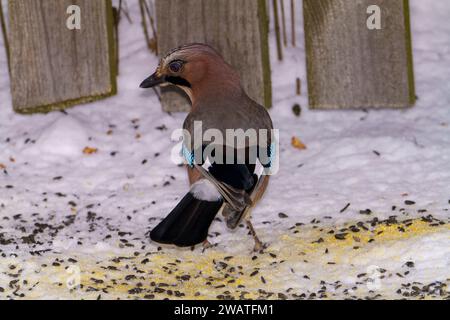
pixel 188 155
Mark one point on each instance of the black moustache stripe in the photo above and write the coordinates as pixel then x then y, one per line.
pixel 178 81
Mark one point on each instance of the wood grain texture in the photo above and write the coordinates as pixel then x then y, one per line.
pixel 4 34
pixel 350 66
pixel 237 29
pixel 53 67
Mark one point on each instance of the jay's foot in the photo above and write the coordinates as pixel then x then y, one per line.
pixel 206 245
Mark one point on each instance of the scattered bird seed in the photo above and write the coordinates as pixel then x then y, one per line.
pixel 345 208
pixel 297 110
pixel 282 215
pixel 340 236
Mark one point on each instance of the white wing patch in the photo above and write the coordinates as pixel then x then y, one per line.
pixel 205 190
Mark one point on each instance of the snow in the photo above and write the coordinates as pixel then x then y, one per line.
pixel 88 210
pixel 63 138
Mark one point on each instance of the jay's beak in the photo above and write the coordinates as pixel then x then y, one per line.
pixel 153 81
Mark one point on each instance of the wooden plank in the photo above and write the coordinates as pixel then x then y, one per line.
pixel 237 29
pixel 350 66
pixel 53 67
pixel 4 34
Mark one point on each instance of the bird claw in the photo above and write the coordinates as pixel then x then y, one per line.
pixel 259 246
pixel 206 245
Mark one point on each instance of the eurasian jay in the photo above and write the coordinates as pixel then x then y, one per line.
pixel 218 102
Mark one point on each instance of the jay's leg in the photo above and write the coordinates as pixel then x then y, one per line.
pixel 259 246
pixel 256 196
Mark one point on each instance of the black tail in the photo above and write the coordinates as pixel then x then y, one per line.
pixel 188 223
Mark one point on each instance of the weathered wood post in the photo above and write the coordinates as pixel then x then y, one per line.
pixel 54 66
pixel 237 29
pixel 359 54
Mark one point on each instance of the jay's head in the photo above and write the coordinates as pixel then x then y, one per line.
pixel 196 69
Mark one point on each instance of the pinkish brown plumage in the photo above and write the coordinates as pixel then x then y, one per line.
pixel 219 102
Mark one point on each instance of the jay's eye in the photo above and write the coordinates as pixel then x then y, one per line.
pixel 176 66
